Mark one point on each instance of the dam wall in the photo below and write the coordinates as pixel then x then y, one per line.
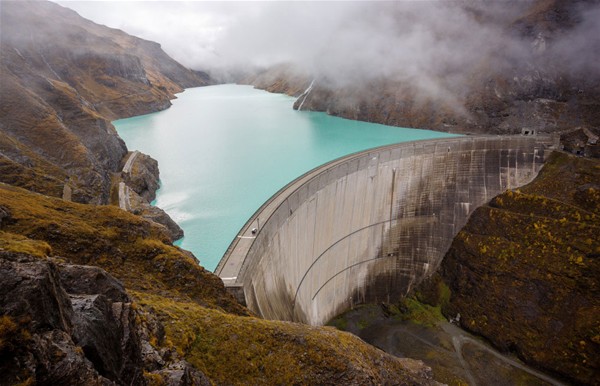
pixel 371 226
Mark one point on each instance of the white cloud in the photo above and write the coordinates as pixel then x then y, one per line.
pixel 187 30
pixel 414 41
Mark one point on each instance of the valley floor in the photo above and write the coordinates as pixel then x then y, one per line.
pixel 456 357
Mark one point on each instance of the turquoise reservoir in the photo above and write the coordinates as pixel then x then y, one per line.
pixel 224 150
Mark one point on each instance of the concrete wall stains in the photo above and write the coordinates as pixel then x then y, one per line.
pixel 370 226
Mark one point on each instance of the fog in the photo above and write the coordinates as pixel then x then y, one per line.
pixel 432 45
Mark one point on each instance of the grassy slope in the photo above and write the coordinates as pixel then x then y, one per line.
pixel 202 322
pixel 524 271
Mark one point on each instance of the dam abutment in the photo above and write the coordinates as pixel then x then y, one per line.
pixel 370 226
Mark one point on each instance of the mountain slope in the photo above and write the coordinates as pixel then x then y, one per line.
pixel 523 272
pixel 62 79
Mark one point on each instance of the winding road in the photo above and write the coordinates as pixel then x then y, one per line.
pixel 459 339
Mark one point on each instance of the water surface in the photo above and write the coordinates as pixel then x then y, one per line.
pixel 224 150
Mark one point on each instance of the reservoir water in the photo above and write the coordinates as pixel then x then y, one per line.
pixel 224 150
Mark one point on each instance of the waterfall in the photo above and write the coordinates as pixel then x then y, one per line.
pixel 305 94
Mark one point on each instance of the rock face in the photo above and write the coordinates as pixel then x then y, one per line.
pixel 58 328
pixel 63 78
pixel 141 176
pixel 43 346
pixel 524 271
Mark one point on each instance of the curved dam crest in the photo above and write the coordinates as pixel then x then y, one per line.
pixel 370 226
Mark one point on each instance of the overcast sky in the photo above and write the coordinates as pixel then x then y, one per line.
pixel 187 30
pixel 202 33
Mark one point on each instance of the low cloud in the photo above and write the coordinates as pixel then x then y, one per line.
pixel 434 46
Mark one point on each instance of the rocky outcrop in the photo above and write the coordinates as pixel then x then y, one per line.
pixel 159 216
pixel 41 347
pixel 141 177
pixel 89 336
pixel 80 280
pixel 32 288
pixel 62 82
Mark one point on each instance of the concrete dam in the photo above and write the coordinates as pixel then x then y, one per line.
pixel 370 226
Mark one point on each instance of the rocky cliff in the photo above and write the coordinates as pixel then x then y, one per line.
pixel 63 78
pixel 523 272
pixel 140 181
pixel 541 88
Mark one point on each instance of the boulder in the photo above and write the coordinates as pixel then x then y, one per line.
pixel 30 288
pixel 88 280
pixel 182 374
pixel 106 333
pixel 59 361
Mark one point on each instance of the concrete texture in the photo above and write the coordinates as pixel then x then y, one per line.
pixel 370 226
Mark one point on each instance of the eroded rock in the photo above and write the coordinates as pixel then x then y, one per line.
pixel 76 325
pixel 31 288
pixel 182 374
pixel 106 333
pixel 141 176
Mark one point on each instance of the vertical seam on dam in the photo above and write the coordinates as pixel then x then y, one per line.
pixel 369 226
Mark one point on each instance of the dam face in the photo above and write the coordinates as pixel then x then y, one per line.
pixel 371 226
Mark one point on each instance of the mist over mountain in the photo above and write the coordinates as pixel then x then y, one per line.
pixel 415 41
pixel 452 66
pixel 447 65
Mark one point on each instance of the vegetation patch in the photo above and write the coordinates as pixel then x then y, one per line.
pixel 411 309
pixel 22 245
pixel 247 350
